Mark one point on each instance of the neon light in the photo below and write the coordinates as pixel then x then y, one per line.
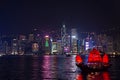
pixel 74 37
pixel 46 36
pixel 46 43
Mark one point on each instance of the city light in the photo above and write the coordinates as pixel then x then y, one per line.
pixel 47 36
pixel 74 37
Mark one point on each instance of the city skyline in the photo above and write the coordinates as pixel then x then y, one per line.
pixel 24 16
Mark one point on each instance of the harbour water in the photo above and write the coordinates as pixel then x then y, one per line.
pixel 51 67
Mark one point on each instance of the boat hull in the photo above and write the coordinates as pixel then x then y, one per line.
pixel 93 67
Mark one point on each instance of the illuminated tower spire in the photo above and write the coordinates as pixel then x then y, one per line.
pixel 64 39
pixel 63 33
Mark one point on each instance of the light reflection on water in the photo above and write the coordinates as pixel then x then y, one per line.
pixel 50 67
pixel 94 76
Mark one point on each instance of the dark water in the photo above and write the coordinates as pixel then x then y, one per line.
pixel 51 67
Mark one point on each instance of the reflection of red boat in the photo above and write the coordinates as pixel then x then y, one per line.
pixel 94 76
pixel 95 62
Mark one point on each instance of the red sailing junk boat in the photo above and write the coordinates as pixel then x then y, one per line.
pixel 95 61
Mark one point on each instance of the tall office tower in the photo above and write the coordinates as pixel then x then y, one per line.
pixel 87 43
pixel 21 44
pixel 5 47
pixel 65 40
pixel 38 38
pixel 74 38
pixel 22 37
pixel 1 45
pixel 31 37
pixel 59 48
pixel 14 46
pixel 47 44
pixel 54 48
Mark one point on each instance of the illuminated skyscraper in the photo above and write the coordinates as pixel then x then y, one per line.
pixel 22 37
pixel 14 46
pixel 21 44
pixel 59 48
pixel 65 40
pixel 47 44
pixel 74 38
pixel 54 48
pixel 31 37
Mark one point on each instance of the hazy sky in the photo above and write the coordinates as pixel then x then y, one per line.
pixel 85 15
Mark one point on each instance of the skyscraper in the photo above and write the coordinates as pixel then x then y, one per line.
pixel 74 38
pixel 65 40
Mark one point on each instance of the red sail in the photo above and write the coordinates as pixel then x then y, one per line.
pixel 79 59
pixel 94 56
pixel 105 58
pixel 90 57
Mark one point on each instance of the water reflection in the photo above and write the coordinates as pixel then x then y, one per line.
pixel 69 68
pixel 35 68
pixel 58 67
pixel 94 76
pixel 49 67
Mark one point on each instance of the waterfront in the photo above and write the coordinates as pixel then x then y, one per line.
pixel 51 67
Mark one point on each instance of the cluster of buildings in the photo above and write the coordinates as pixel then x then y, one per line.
pixel 73 42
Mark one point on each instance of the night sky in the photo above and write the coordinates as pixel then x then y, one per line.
pixel 17 16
